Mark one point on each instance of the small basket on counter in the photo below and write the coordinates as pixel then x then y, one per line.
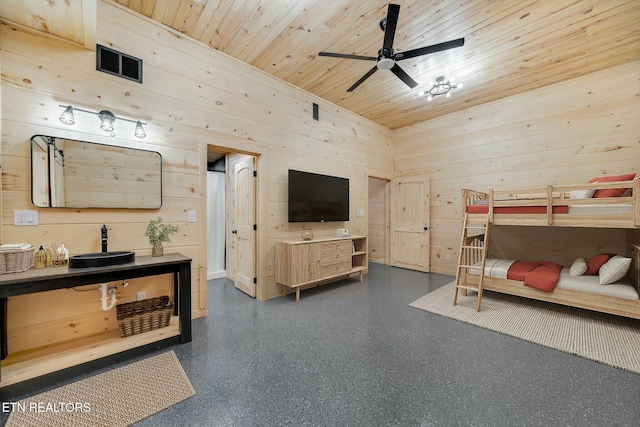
pixel 15 257
pixel 144 316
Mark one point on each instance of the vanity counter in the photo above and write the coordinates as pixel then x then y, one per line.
pixel 51 278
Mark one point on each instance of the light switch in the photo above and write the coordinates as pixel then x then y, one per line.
pixel 360 212
pixel 191 217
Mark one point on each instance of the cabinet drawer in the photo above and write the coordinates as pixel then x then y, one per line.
pixel 332 269
pixel 333 252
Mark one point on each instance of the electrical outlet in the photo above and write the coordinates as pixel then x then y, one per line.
pixel 191 216
pixel 447 257
pixel 24 217
pixel 141 295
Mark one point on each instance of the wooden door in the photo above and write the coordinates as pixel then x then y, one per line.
pixel 245 225
pixel 409 235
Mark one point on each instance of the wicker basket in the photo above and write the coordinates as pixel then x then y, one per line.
pixel 144 316
pixel 15 260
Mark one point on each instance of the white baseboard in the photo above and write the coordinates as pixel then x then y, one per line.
pixel 216 274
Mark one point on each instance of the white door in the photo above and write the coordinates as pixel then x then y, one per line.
pixel 410 223
pixel 245 189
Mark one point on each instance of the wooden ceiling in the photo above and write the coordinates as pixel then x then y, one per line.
pixel 511 46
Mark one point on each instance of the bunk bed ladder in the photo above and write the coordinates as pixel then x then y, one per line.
pixel 473 249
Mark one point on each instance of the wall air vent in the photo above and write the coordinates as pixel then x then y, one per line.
pixel 118 63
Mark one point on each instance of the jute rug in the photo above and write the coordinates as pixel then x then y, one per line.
pixel 607 339
pixel 118 397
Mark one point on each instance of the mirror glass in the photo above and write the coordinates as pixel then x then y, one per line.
pixel 76 174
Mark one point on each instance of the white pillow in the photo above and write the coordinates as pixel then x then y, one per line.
pixel 582 194
pixel 614 269
pixel 579 267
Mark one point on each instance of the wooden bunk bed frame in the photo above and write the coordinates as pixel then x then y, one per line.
pixel 550 196
pixel 554 196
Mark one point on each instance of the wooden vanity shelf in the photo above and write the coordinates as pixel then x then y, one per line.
pixel 98 350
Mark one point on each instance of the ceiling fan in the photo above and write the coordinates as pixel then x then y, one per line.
pixel 386 59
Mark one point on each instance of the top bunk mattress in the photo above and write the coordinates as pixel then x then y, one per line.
pixel 606 209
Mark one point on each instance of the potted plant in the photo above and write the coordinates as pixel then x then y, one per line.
pixel 159 233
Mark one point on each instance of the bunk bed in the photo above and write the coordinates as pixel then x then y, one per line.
pixel 614 204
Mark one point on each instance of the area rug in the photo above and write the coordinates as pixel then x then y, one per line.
pixel 607 339
pixel 118 397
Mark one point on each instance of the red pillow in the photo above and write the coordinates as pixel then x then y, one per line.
pixel 613 192
pixel 595 262
pixel 544 277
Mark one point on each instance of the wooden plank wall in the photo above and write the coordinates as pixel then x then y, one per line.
pixel 191 97
pixel 561 134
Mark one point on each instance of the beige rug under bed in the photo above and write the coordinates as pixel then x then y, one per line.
pixel 607 339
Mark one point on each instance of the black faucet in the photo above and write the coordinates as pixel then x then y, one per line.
pixel 104 238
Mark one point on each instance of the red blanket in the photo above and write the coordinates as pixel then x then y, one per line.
pixel 544 276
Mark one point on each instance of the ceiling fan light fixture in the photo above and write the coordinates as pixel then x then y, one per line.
pixel 385 63
pixel 441 86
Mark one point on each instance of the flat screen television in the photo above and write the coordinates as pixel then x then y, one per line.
pixel 317 198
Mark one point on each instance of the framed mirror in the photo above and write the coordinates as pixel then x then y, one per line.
pixel 66 173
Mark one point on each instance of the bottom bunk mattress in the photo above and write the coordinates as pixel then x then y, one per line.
pixel 517 270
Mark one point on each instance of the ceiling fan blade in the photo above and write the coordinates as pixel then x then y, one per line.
pixel 390 26
pixel 347 56
pixel 403 76
pixel 363 78
pixel 429 49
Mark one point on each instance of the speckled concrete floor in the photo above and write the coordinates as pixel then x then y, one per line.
pixel 351 354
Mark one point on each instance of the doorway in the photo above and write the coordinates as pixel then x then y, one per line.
pixel 378 220
pixel 231 217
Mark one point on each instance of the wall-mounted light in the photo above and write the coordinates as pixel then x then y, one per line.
pixel 440 87
pixel 107 118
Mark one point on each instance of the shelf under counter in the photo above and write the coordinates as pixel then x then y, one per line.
pixel 101 349
pixel 26 365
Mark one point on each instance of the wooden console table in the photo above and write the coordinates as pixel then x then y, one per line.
pixel 307 263
pixel 47 279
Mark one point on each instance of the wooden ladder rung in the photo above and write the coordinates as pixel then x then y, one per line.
pixel 472 247
pixel 477 267
pixel 471 288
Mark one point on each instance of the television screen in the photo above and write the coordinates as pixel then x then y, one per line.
pixel 317 198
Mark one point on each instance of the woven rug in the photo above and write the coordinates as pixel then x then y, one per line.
pixel 608 339
pixel 118 397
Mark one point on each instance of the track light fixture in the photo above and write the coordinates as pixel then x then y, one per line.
pixel 107 118
pixel 440 87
